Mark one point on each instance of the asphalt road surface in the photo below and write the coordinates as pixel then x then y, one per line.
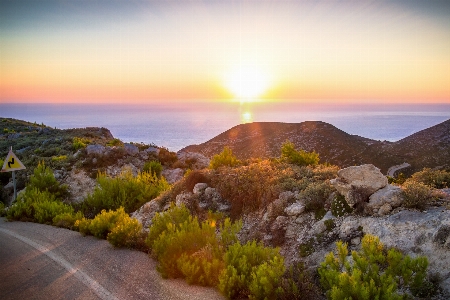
pixel 44 262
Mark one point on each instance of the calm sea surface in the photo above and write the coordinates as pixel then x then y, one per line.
pixel 175 127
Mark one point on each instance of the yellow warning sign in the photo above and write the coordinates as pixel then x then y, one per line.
pixel 12 163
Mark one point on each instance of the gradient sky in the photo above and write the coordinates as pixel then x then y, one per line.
pixel 154 51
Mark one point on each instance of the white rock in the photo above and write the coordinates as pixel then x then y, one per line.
pixel 199 188
pixel 357 179
pixel 295 209
pixel 197 160
pixel 131 149
pixel 95 149
pixel 389 196
pixel 173 175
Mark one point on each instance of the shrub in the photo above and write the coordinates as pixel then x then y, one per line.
pixel 416 194
pixel 153 167
pixel 438 179
pixel 105 222
pixel 79 143
pixel 46 210
pixel 224 159
pixel 248 188
pixel 126 190
pixel 300 158
pixel 315 195
pixel 23 208
pixel 339 206
pixel 166 157
pixel 297 284
pixel 114 142
pixel 374 274
pixel 194 177
pixel 184 247
pixel 59 158
pixel 67 220
pixel 126 233
pixel 251 270
pixel 83 226
pixel 2 209
pixel 44 180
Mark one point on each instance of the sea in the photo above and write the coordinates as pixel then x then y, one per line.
pixel 177 125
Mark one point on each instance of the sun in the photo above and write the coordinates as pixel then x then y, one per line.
pixel 247 82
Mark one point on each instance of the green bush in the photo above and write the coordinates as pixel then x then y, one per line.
pixel 126 233
pixel 297 284
pixel 166 157
pixel 224 159
pixel 83 226
pixel 105 222
pixel 375 273
pixel 67 220
pixel 126 190
pixel 339 206
pixel 114 142
pixel 44 180
pixel 438 179
pixel 80 143
pixel 2 209
pixel 23 209
pixel 45 211
pixel 153 167
pixel 251 270
pixel 300 158
pixel 416 194
pixel 315 195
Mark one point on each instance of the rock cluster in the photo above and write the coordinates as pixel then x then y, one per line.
pixel 366 185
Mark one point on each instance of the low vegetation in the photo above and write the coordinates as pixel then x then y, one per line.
pixel 298 157
pixel 374 273
pixel 224 159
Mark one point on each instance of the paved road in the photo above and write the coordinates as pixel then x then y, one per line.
pixel 44 262
pixel 393 169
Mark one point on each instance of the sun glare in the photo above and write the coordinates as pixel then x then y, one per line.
pixel 247 82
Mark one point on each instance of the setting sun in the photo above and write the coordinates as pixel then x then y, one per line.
pixel 247 82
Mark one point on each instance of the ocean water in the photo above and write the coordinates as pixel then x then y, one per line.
pixel 177 126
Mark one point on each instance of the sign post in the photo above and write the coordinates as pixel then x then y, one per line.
pixel 12 164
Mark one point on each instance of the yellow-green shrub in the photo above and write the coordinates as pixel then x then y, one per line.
pixel 416 194
pixel 67 220
pixel 45 211
pixel 83 226
pixel 79 143
pixel 126 190
pixel 434 178
pixel 44 180
pixel 105 222
pixel 126 233
pixel 224 159
pixel 251 270
pixel 300 157
pixel 376 273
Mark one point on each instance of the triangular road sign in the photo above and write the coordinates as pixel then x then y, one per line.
pixel 12 163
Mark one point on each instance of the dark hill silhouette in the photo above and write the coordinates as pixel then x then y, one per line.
pixel 427 148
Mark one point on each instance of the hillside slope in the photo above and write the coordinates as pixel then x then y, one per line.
pixel 427 148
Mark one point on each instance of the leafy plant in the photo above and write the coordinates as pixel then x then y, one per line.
pixel 339 206
pixel 67 219
pixel 300 157
pixel 297 284
pixel 376 273
pixel 438 179
pixel 126 233
pixel 105 222
pixel 44 180
pixel 125 190
pixel 153 167
pixel 79 143
pixel 315 195
pixel 224 159
pixel 416 194
pixel 251 270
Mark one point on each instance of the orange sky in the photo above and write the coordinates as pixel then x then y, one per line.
pixel 87 51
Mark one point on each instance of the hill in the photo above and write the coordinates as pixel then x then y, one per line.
pixel 427 148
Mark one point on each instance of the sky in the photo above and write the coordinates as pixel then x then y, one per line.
pixel 110 51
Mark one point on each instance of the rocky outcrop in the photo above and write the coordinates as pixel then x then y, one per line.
pixel 95 149
pixel 80 185
pixel 384 200
pixel 146 213
pixel 357 183
pixel 193 160
pixel 131 149
pixel 173 175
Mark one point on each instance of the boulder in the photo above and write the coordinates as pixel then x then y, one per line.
pixel 173 175
pixel 295 209
pixel 194 160
pixel 184 198
pixel 152 150
pixel 199 188
pixel 384 200
pixel 417 233
pixel 357 183
pixel 131 149
pixel 146 213
pixel 95 149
